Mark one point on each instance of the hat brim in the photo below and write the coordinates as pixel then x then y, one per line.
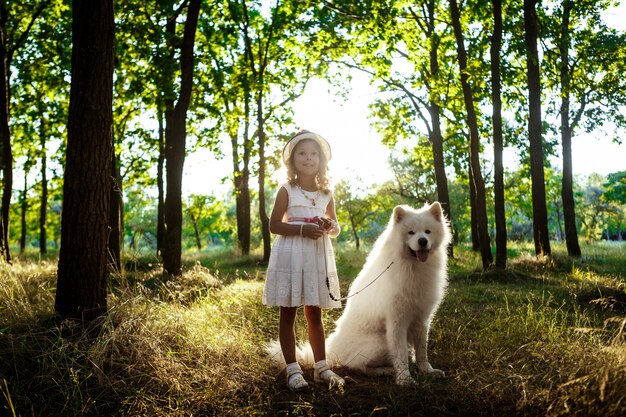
pixel 293 142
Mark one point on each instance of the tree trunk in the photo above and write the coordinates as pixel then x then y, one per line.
pixel 115 218
pixel 81 288
pixel 241 169
pixel 6 154
pixel 479 184
pixel 436 140
pixel 473 222
pixel 265 221
pixel 160 237
pixel 23 210
pixel 194 221
pixel 567 189
pixel 558 221
pixel 175 138
pixel 357 241
pixel 43 208
pixel 540 211
pixel 435 136
pixel 241 179
pixel 498 146
pixel 242 201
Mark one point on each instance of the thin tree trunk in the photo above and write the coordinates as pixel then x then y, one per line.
pixel 161 191
pixel 357 241
pixel 473 221
pixel 241 179
pixel 175 144
pixel 244 210
pixel 115 224
pixel 43 208
pixel 265 221
pixel 479 184
pixel 500 213
pixel 558 220
pixel 258 75
pixel 194 221
pixel 23 210
pixel 567 189
pixel 6 154
pixel 435 136
pixel 81 287
pixel 540 211
pixel 242 201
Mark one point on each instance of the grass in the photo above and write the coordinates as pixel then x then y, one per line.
pixel 544 337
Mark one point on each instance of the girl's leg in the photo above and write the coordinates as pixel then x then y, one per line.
pixel 287 338
pixel 322 372
pixel 287 334
pixel 315 327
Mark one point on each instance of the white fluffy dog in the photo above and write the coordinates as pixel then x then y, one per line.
pixel 390 314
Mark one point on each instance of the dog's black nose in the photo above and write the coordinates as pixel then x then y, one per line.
pixel 423 242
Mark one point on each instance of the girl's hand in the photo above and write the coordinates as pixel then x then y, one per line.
pixel 312 231
pixel 326 224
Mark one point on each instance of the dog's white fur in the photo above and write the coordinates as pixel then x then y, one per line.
pixel 383 322
pixel 391 314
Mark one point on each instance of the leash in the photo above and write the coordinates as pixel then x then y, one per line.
pixel 328 281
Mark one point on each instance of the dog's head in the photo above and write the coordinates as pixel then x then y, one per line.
pixel 421 231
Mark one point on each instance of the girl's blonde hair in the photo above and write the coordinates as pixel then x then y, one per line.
pixel 322 179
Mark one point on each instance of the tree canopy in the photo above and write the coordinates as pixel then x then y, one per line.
pixel 224 75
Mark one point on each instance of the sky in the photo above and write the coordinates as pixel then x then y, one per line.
pixel 357 149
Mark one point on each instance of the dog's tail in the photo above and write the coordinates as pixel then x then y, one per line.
pixel 304 354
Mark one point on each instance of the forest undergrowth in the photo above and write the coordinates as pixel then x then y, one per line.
pixel 544 337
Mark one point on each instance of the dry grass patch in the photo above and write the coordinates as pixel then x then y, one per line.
pixel 531 340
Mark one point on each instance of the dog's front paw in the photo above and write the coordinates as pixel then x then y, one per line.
pixel 405 379
pixel 437 373
pixel 426 368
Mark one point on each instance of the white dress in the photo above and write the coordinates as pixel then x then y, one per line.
pixel 298 266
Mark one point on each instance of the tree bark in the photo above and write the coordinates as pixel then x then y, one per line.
pixel 175 143
pixel 479 184
pixel 265 221
pixel 115 218
pixel 435 136
pixel 241 176
pixel 242 201
pixel 81 288
pixel 540 211
pixel 160 237
pixel 23 210
pixel 43 208
pixel 498 146
pixel 357 241
pixel 6 154
pixel 194 221
pixel 567 189
pixel 473 222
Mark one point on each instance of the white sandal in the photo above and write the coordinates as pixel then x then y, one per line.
pixel 295 378
pixel 323 373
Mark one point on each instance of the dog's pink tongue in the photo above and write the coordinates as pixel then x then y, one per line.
pixel 422 255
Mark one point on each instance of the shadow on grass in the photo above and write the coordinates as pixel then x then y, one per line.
pixel 511 342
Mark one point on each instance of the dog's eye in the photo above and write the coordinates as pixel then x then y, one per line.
pixel 411 232
pixel 427 231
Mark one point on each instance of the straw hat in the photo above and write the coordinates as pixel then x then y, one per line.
pixel 299 137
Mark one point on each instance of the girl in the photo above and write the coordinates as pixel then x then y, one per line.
pixel 302 268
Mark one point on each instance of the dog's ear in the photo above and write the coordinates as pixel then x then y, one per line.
pixel 398 214
pixel 436 210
